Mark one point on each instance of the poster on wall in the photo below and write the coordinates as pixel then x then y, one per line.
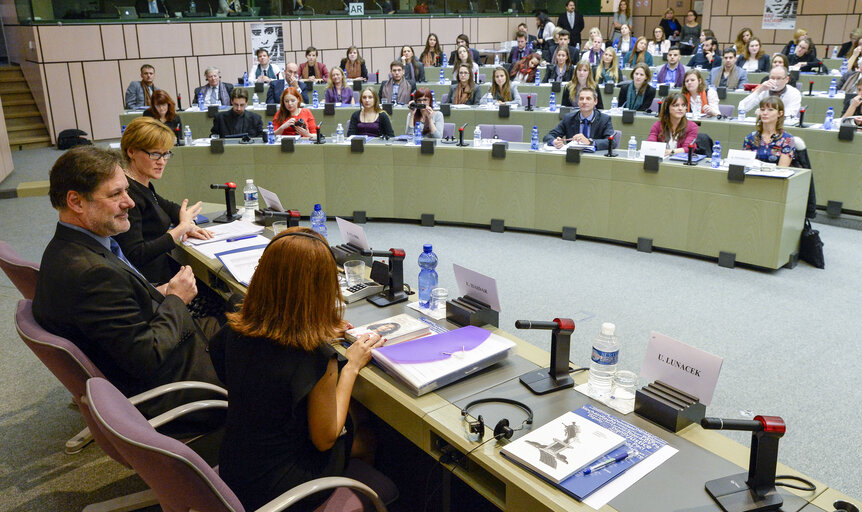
pixel 271 37
pixel 779 14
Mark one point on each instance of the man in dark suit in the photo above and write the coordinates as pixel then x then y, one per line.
pixel 706 58
pixel 551 50
pixel 464 40
pixel 236 120
pixel 531 39
pixel 138 335
pixel 521 50
pixel 291 79
pixel 215 91
pixel 586 126
pixel 572 21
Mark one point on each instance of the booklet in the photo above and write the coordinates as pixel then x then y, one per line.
pixel 395 329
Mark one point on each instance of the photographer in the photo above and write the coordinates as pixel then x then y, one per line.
pixel 291 118
pixel 422 112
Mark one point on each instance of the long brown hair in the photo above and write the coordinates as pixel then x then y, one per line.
pixel 282 115
pixel 504 91
pixel 432 54
pixel 776 103
pixel 293 296
pixel 574 86
pixel 160 97
pixel 424 93
pixel 746 54
pixel 461 90
pixel 667 130
pixel 638 57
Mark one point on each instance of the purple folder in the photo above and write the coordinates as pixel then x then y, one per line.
pixel 436 347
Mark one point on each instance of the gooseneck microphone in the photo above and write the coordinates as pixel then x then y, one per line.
pixel 229 201
pixel 536 324
pixel 731 424
pixel 224 186
pixel 556 376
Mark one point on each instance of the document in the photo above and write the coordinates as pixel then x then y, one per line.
pixel 210 250
pixel 241 263
pixel 235 229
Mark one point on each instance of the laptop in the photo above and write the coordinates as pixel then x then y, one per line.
pixel 127 12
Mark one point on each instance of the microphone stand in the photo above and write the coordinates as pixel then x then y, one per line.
pixel 557 375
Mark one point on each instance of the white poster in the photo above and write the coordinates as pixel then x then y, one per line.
pixel 269 36
pixel 779 14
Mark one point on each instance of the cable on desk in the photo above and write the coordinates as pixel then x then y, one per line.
pixel 456 457
pixel 810 487
pixel 575 370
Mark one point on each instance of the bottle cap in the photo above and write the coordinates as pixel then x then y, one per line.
pixel 249 181
pixel 426 248
pixel 608 329
pixel 317 207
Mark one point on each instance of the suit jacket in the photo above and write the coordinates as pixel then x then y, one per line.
pixel 228 123
pixel 224 93
pixel 600 129
pixel 548 54
pixel 763 63
pixel 574 30
pixel 700 59
pixel 551 70
pixel 276 88
pixel 680 73
pixel 137 337
pixel 567 100
pixel 514 54
pixel 135 95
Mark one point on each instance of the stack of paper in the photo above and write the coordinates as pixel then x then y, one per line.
pixel 235 229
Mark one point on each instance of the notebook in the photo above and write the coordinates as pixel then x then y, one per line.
pixel 395 329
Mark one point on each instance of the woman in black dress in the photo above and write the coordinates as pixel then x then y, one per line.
pixel 164 110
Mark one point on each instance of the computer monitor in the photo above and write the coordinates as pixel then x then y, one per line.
pixel 127 12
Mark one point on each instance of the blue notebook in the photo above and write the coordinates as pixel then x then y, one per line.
pixel 683 157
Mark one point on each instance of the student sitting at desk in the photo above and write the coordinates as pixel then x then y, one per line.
pixel 804 57
pixel 164 110
pixel 583 78
pixel 397 89
pixel 638 55
pixel 466 92
pixel 699 99
pixel 637 94
pixel 659 44
pixel 728 74
pixel 776 85
pixel 337 91
pixel 430 120
pixel 463 41
pixel 672 71
pixel 608 70
pixel 264 71
pixel 524 71
pixel 848 81
pixel 672 126
pixel 215 91
pixel 413 69
pixel 370 119
pixel 587 126
pixel 139 93
pixel 462 56
pixel 432 55
pixel 237 120
pixel 291 118
pixel 354 65
pixel 561 69
pixel 853 105
pixel 502 90
pixel 311 70
pixel 754 59
pixel 769 139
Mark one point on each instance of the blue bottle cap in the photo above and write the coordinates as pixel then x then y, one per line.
pixel 317 207
pixel 426 248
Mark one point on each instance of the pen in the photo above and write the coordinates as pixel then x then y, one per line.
pixel 601 465
pixel 237 238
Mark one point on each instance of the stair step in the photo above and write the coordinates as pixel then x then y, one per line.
pixel 18 99
pixel 22 114
pixel 23 126
pixel 15 87
pixel 9 78
pixel 26 134
pixel 16 140
pixel 9 67
pixel 30 145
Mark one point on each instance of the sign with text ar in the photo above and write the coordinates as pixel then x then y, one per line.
pixel 477 286
pixel 356 8
pixel 682 366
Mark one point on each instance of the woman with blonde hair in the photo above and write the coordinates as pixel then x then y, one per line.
pixel 337 90
pixel 742 39
pixel 608 69
pixel 798 35
pixel 582 78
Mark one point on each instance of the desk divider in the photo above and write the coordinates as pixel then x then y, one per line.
pixel 503 111
pixel 357 145
pixel 288 145
pixel 216 146
pixel 498 149
pixel 644 244
pixel 573 155
pixel 428 146
pixel 736 173
pixel 651 163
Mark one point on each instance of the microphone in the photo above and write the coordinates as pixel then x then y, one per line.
pixel 690 153
pixel 177 133
pixel 611 146
pixel 319 134
pixel 377 77
pixel 802 116
pixel 461 134
pixel 227 186
pixel 810 87
pixel 529 102
pixel 391 253
pixel 536 324
pixel 728 424
pixel 179 101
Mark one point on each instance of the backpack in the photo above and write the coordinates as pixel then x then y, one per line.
pixel 71 138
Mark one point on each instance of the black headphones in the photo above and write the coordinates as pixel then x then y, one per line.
pixel 502 430
pixel 307 235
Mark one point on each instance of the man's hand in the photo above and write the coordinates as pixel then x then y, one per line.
pixel 580 138
pixel 183 285
pixel 559 142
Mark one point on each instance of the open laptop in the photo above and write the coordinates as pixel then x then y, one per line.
pixel 127 12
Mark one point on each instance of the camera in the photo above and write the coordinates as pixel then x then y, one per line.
pixel 300 123
pixel 418 106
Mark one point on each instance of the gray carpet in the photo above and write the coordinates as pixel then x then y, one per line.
pixel 772 329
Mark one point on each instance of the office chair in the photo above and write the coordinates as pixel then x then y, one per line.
pixel 21 272
pixel 508 132
pixel 534 97
pixel 726 110
pixel 801 160
pixel 448 130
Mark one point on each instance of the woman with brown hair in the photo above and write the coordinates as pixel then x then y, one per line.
pixel 524 71
pixel 637 94
pixel 432 55
pixel 465 91
pixel 354 65
pixel 291 118
pixel 742 39
pixel 422 112
pixel 672 126
pixel 582 78
pixel 370 119
pixel 287 420
pixel 753 59
pixel 769 140
pixel 502 90
pixel 639 54
pixel 164 110
pixel 699 99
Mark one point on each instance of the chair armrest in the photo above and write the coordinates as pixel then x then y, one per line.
pixel 182 410
pixel 321 484
pixel 175 386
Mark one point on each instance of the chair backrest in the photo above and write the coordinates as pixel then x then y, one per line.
pixel 534 98
pixel 488 131
pixel 445 98
pixel 448 130
pixel 180 478
pixel 21 272
pixel 654 105
pixel 618 135
pixel 726 110
pixel 356 97
pixel 510 132
pixel 481 78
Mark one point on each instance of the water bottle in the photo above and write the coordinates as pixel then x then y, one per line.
pixel 699 48
pixel 122 130
pixel 538 77
pixel 615 103
pixel 245 78
pixel 496 59
pixel 655 81
pixel 843 67
pixel 187 135
pixel 633 147
pixel 716 154
pixel 318 220
pixel 740 115
pixel 193 6
pixel 433 97
pixel 249 195
pixel 477 137
pixel 833 88
pixel 552 103
pixel 792 49
pixel 315 100
pixel 255 100
pixel 339 134
pixel 417 135
pixel 201 103
pixel 270 134
pixel 444 61
pixel 830 115
pixel 427 276
pixel 835 52
pixel 534 139
pixel 603 361
pixel 442 77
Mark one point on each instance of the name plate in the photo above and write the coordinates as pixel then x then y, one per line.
pixel 649 148
pixel 356 8
pixel 352 233
pixel 682 366
pixel 477 286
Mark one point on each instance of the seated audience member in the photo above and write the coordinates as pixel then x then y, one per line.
pixel 798 35
pixel 312 70
pixel 370 119
pixel 215 91
pixel 164 110
pixel 560 70
pixel 464 91
pixel 688 37
pixel 354 65
pixel 236 120
pixel 397 89
pixel 769 140
pixel 140 93
pixel 531 39
pixel 586 126
pixel 264 71
pixel 582 79
pixel 671 25
pixel 637 94
pixel 337 91
pixel 592 53
pixel 853 105
pixel 596 32
pixel 673 71
pixel 291 79
pixel 519 51
pixel 638 55
pixel 849 46
pixel 413 69
pixel 150 237
pixel 701 100
pixel 706 58
pixel 625 41
pixel 422 112
pixel 464 40
pixel 848 81
pixel 289 402
pixel 622 16
pixel 462 56
pixel 779 59
pixel 432 55
pixel 139 336
pixel 776 85
pixel 803 57
pixel 659 44
pixel 753 59
pixel 291 118
pixel 706 34
pixel 742 39
pixel 728 74
pixel 672 126
pixel 524 71
pixel 502 90
pixel 562 42
pixel 608 69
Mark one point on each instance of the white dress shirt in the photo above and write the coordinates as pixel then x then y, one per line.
pixel 791 97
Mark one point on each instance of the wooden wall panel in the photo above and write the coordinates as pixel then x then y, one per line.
pixel 323 34
pixel 182 80
pixel 60 95
pixel 227 38
pixel 404 31
pixel 80 95
pixel 113 42
pixel 305 35
pixel 374 33
pixel 241 38
pixel 204 40
pixel 71 42
pixel 194 77
pixel 823 6
pixel 445 30
pixel 493 30
pixel 103 84
pixel 173 39
pixel 130 33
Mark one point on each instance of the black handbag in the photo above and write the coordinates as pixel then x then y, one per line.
pixel 810 246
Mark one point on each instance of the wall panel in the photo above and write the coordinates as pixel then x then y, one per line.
pixel 203 40
pixel 71 42
pixel 242 38
pixel 103 84
pixel 7 165
pixel 404 31
pixel 130 33
pixel 374 33
pixel 227 38
pixel 494 29
pixel 60 96
pixel 323 34
pixel 80 95
pixel 113 42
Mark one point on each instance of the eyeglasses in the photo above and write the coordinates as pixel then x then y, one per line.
pixel 155 155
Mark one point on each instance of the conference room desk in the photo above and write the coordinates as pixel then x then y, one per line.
pixel 434 419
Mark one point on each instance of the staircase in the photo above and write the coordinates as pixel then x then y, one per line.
pixel 23 121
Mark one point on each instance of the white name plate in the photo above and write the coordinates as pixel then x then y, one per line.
pixel 682 366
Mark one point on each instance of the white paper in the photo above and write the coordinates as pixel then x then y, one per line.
pixel 742 157
pixel 242 264
pixel 689 369
pixel 352 233
pixel 210 250
pixel 220 232
pixel 615 487
pixel 623 408
pixel 650 148
pixel 477 286
pixel 771 172
pixel 271 198
pixel 434 314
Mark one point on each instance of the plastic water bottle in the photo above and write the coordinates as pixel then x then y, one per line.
pixel 716 154
pixel 843 67
pixel 442 77
pixel 192 6
pixel 427 276
pixel 830 115
pixel 740 115
pixel 339 134
pixel 534 139
pixel 318 220
pixel 792 48
pixel 417 135
pixel 187 136
pixel 833 88
pixel 655 81
pixel 433 98
pixel 699 48
pixel 444 61
pixel 255 100
pixel 249 195
pixel 552 103
pixel 123 130
pixel 633 147
pixel 270 134
pixel 245 78
pixel 201 103
pixel 538 77
pixel 603 361
pixel 496 59
pixel 614 103
pixel 477 137
pixel 315 100
pixel 835 52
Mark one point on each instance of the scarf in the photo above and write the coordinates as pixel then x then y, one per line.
pixel 316 70
pixel 462 95
pixel 148 96
pixel 633 99
pixel 269 72
pixel 849 86
pixel 353 69
pixel 703 101
pixel 732 78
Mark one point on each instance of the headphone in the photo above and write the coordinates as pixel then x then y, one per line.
pixel 502 430
pixel 307 235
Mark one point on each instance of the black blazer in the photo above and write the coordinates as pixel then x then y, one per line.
pixel 228 86
pixel 574 31
pixel 808 61
pixel 600 130
pixel 228 123
pixel 649 96
pixel 568 102
pixel 552 69
pixel 276 88
pixel 548 54
pixel 763 63
pixel 474 99
pixel 136 336
pixel 845 50
pixel 847 99
pixel 363 71
pixel 385 125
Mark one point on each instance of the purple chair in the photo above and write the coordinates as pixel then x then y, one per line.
pixel 726 110
pixel 448 130
pixel 21 272
pixel 445 98
pixel 183 481
pixel 481 78
pixel 508 132
pixel 654 105
pixel 534 98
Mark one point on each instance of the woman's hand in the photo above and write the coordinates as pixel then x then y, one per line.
pixel 187 220
pixel 200 233
pixel 359 353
